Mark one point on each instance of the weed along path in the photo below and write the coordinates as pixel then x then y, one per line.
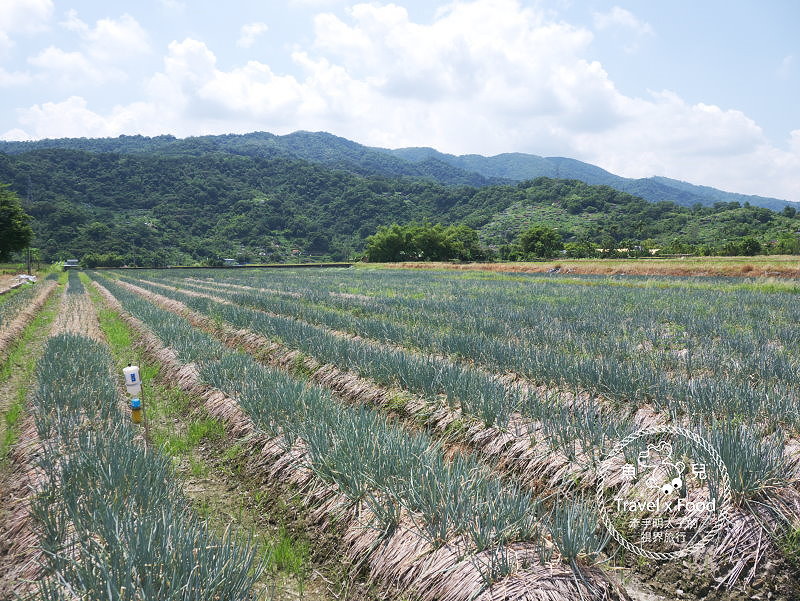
pixel 19 444
pixel 405 539
pixel 208 462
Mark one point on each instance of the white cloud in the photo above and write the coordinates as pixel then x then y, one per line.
pixel 25 16
pixel 619 17
pixel 71 66
pixel 486 76
pixel 624 25
pixel 10 79
pixel 16 134
pixel 249 33
pixel 104 50
pixel 73 118
pixel 109 40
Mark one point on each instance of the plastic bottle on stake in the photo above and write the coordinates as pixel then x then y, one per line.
pixel 133 382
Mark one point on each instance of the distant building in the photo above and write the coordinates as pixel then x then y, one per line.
pixel 229 262
pixel 71 264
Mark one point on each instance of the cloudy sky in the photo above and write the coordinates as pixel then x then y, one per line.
pixel 707 92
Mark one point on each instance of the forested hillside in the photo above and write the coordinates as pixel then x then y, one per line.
pixel 156 207
pixel 426 163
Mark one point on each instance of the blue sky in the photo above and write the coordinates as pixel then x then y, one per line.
pixel 704 91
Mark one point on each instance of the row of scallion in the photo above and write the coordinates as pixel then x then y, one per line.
pixel 747 432
pixel 373 461
pixel 754 452
pixel 710 352
pixel 14 301
pixel 74 284
pixel 113 523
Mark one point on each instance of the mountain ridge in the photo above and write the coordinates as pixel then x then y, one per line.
pixel 414 162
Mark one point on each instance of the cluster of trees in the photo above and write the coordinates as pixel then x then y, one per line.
pixel 424 242
pixel 428 242
pixel 15 229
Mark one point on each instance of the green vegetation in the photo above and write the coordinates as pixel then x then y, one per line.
pixel 423 243
pixel 113 504
pixel 15 229
pixel 719 355
pixel 20 363
pixel 422 163
pixel 368 458
pixel 179 433
pixel 197 201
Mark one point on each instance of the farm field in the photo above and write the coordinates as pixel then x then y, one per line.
pixel 421 434
pixel 762 266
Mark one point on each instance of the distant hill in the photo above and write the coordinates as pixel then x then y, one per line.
pixel 321 148
pixel 422 163
pixel 190 201
pixel 520 166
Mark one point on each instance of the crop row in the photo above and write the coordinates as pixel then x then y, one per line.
pixel 14 302
pixel 113 522
pixel 398 475
pixel 757 464
pixel 676 354
pixel 582 429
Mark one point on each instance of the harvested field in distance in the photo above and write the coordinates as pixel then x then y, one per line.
pixel 777 266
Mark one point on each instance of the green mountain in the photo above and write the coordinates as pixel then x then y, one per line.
pixel 168 201
pixel 519 166
pixel 321 148
pixel 422 163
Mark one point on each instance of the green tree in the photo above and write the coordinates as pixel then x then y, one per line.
pixel 15 229
pixel 389 243
pixel 541 241
pixel 750 246
pixel 788 244
pixel 464 243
